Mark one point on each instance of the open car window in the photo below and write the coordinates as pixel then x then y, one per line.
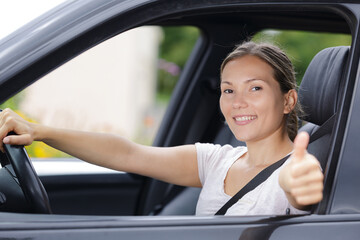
pixel 121 86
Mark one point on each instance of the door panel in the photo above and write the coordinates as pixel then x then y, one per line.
pixel 77 187
pixel 93 194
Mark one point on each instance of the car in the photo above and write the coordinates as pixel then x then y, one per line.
pixel 113 205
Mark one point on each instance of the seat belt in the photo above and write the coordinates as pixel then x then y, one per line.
pixel 256 181
pixel 324 129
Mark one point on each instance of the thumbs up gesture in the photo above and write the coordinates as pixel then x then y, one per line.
pixel 302 178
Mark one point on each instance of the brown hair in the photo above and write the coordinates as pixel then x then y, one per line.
pixel 284 73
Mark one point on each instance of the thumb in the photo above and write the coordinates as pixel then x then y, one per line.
pixel 300 144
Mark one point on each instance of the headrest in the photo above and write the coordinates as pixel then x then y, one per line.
pixel 319 89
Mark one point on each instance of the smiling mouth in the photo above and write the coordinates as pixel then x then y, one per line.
pixel 244 119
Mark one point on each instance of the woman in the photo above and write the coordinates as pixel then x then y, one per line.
pixel 259 103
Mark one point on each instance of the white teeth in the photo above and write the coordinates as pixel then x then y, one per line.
pixel 245 118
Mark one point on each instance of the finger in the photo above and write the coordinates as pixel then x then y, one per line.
pixel 4 130
pixel 5 125
pixel 309 199
pixel 300 144
pixel 309 164
pixel 310 189
pixel 5 114
pixel 24 139
pixel 1 117
pixel 308 179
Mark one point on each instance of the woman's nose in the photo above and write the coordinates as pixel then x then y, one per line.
pixel 239 101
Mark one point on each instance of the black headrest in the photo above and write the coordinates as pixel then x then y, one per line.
pixel 319 89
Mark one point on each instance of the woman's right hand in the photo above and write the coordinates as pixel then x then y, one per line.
pixel 302 179
pixel 12 122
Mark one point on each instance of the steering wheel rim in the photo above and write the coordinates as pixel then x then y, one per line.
pixel 29 181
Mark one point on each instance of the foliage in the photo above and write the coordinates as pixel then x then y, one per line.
pixel 178 43
pixel 174 51
pixel 13 102
pixel 301 46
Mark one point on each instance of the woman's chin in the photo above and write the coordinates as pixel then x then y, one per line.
pixel 243 138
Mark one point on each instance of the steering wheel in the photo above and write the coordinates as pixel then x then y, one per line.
pixel 29 181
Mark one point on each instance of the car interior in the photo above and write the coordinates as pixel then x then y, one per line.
pixel 193 114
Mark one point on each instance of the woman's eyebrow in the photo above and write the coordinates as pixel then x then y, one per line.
pixel 255 79
pixel 246 81
pixel 226 82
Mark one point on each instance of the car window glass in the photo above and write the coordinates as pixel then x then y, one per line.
pixel 120 86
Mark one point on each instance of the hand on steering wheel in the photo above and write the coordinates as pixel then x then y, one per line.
pixel 29 181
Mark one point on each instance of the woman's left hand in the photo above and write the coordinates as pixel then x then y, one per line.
pixel 302 178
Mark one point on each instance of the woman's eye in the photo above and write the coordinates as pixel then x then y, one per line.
pixel 228 91
pixel 256 88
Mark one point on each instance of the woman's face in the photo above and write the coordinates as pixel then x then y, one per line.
pixel 251 100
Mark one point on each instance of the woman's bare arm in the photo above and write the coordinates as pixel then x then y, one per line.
pixel 177 165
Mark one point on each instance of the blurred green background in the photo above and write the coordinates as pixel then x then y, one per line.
pixel 301 47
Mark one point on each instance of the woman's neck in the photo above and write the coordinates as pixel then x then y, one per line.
pixel 270 149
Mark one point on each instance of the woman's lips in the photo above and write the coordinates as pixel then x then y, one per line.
pixel 245 119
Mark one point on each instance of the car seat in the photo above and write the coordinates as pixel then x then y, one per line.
pixel 319 95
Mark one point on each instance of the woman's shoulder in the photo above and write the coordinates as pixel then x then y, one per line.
pixel 211 149
pixel 213 158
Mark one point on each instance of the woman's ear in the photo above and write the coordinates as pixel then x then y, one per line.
pixel 291 98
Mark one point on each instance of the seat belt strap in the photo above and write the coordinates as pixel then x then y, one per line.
pixel 324 129
pixel 256 181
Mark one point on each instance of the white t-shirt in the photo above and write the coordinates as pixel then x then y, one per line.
pixel 214 162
